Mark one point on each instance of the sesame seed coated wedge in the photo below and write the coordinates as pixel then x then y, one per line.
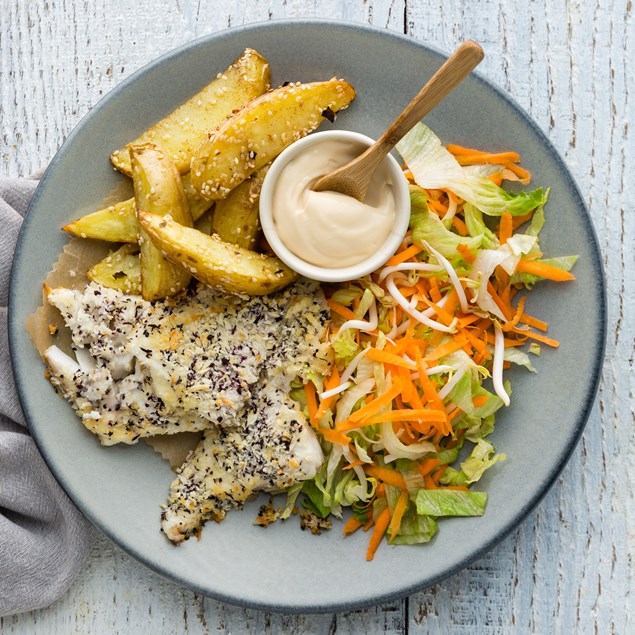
pixel 260 131
pixel 216 263
pixel 158 190
pixel 182 131
pixel 118 223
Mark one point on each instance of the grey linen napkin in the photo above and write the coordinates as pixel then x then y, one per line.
pixel 44 539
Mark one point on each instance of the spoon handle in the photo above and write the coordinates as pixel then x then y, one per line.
pixel 455 69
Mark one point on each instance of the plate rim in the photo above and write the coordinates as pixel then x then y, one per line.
pixel 548 480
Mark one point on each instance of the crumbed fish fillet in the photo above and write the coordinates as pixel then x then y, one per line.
pixel 272 449
pixel 144 368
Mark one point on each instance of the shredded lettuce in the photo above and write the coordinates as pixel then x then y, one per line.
pixel 476 227
pixel 516 356
pixel 314 499
pixel 333 487
pixel 345 347
pixel 346 295
pixel 437 502
pixel 428 227
pixel 433 167
pixel 482 457
pixel 292 495
pixel 466 453
pixel 506 256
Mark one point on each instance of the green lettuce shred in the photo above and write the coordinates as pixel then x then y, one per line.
pixel 438 502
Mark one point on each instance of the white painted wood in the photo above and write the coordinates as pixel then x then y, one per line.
pixel 569 568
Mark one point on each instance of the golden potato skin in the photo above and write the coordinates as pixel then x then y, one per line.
pixel 216 263
pixel 118 223
pixel 119 270
pixel 158 190
pixel 236 218
pixel 260 131
pixel 182 131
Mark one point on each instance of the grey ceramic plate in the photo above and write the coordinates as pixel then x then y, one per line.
pixel 281 567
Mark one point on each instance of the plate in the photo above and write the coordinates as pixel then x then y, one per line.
pixel 282 568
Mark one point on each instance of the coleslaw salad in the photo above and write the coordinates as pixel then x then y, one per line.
pixel 421 345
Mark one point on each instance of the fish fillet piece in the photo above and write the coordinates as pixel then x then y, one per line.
pixel 145 368
pixel 273 449
pixel 274 445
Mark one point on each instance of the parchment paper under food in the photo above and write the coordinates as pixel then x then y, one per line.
pixel 46 326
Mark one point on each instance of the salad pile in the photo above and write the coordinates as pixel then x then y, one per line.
pixel 421 345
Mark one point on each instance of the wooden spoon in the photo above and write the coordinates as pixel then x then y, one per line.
pixel 354 177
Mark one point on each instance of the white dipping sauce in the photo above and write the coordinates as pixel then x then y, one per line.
pixel 330 229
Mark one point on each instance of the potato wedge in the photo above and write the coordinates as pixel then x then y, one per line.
pixel 118 223
pixel 119 270
pixel 214 262
pixel 260 131
pixel 204 223
pixel 182 131
pixel 159 190
pixel 236 218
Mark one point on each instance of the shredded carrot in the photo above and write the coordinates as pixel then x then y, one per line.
pixel 397 514
pixel 427 465
pixel 389 358
pixel 465 252
pixel 437 474
pixel 429 482
pixel 460 226
pixel 445 316
pixel 462 151
pixel 352 525
pixel 408 414
pixel 386 475
pixel 430 394
pixel 544 270
pixel 332 382
pixel 381 525
pixel 538 337
pixel 412 407
pixel 378 403
pixel 369 523
pixel 489 338
pixel 517 316
pixel 309 391
pixel 496 178
pixel 521 173
pixel 410 252
pixel 437 207
pixel 435 294
pixel 505 227
pixel 340 309
pixel 521 220
pixel 473 339
pixel 451 346
pixel 452 148
pixel 468 319
pixel 535 322
pixel 477 158
pixel 335 436
pixel 506 310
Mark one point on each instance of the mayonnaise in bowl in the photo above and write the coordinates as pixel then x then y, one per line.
pixel 330 236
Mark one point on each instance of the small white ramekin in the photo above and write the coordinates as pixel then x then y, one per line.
pixel 327 274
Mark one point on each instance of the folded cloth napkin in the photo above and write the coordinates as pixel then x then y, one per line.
pixel 44 539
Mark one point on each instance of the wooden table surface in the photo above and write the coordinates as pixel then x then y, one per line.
pixel 569 567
